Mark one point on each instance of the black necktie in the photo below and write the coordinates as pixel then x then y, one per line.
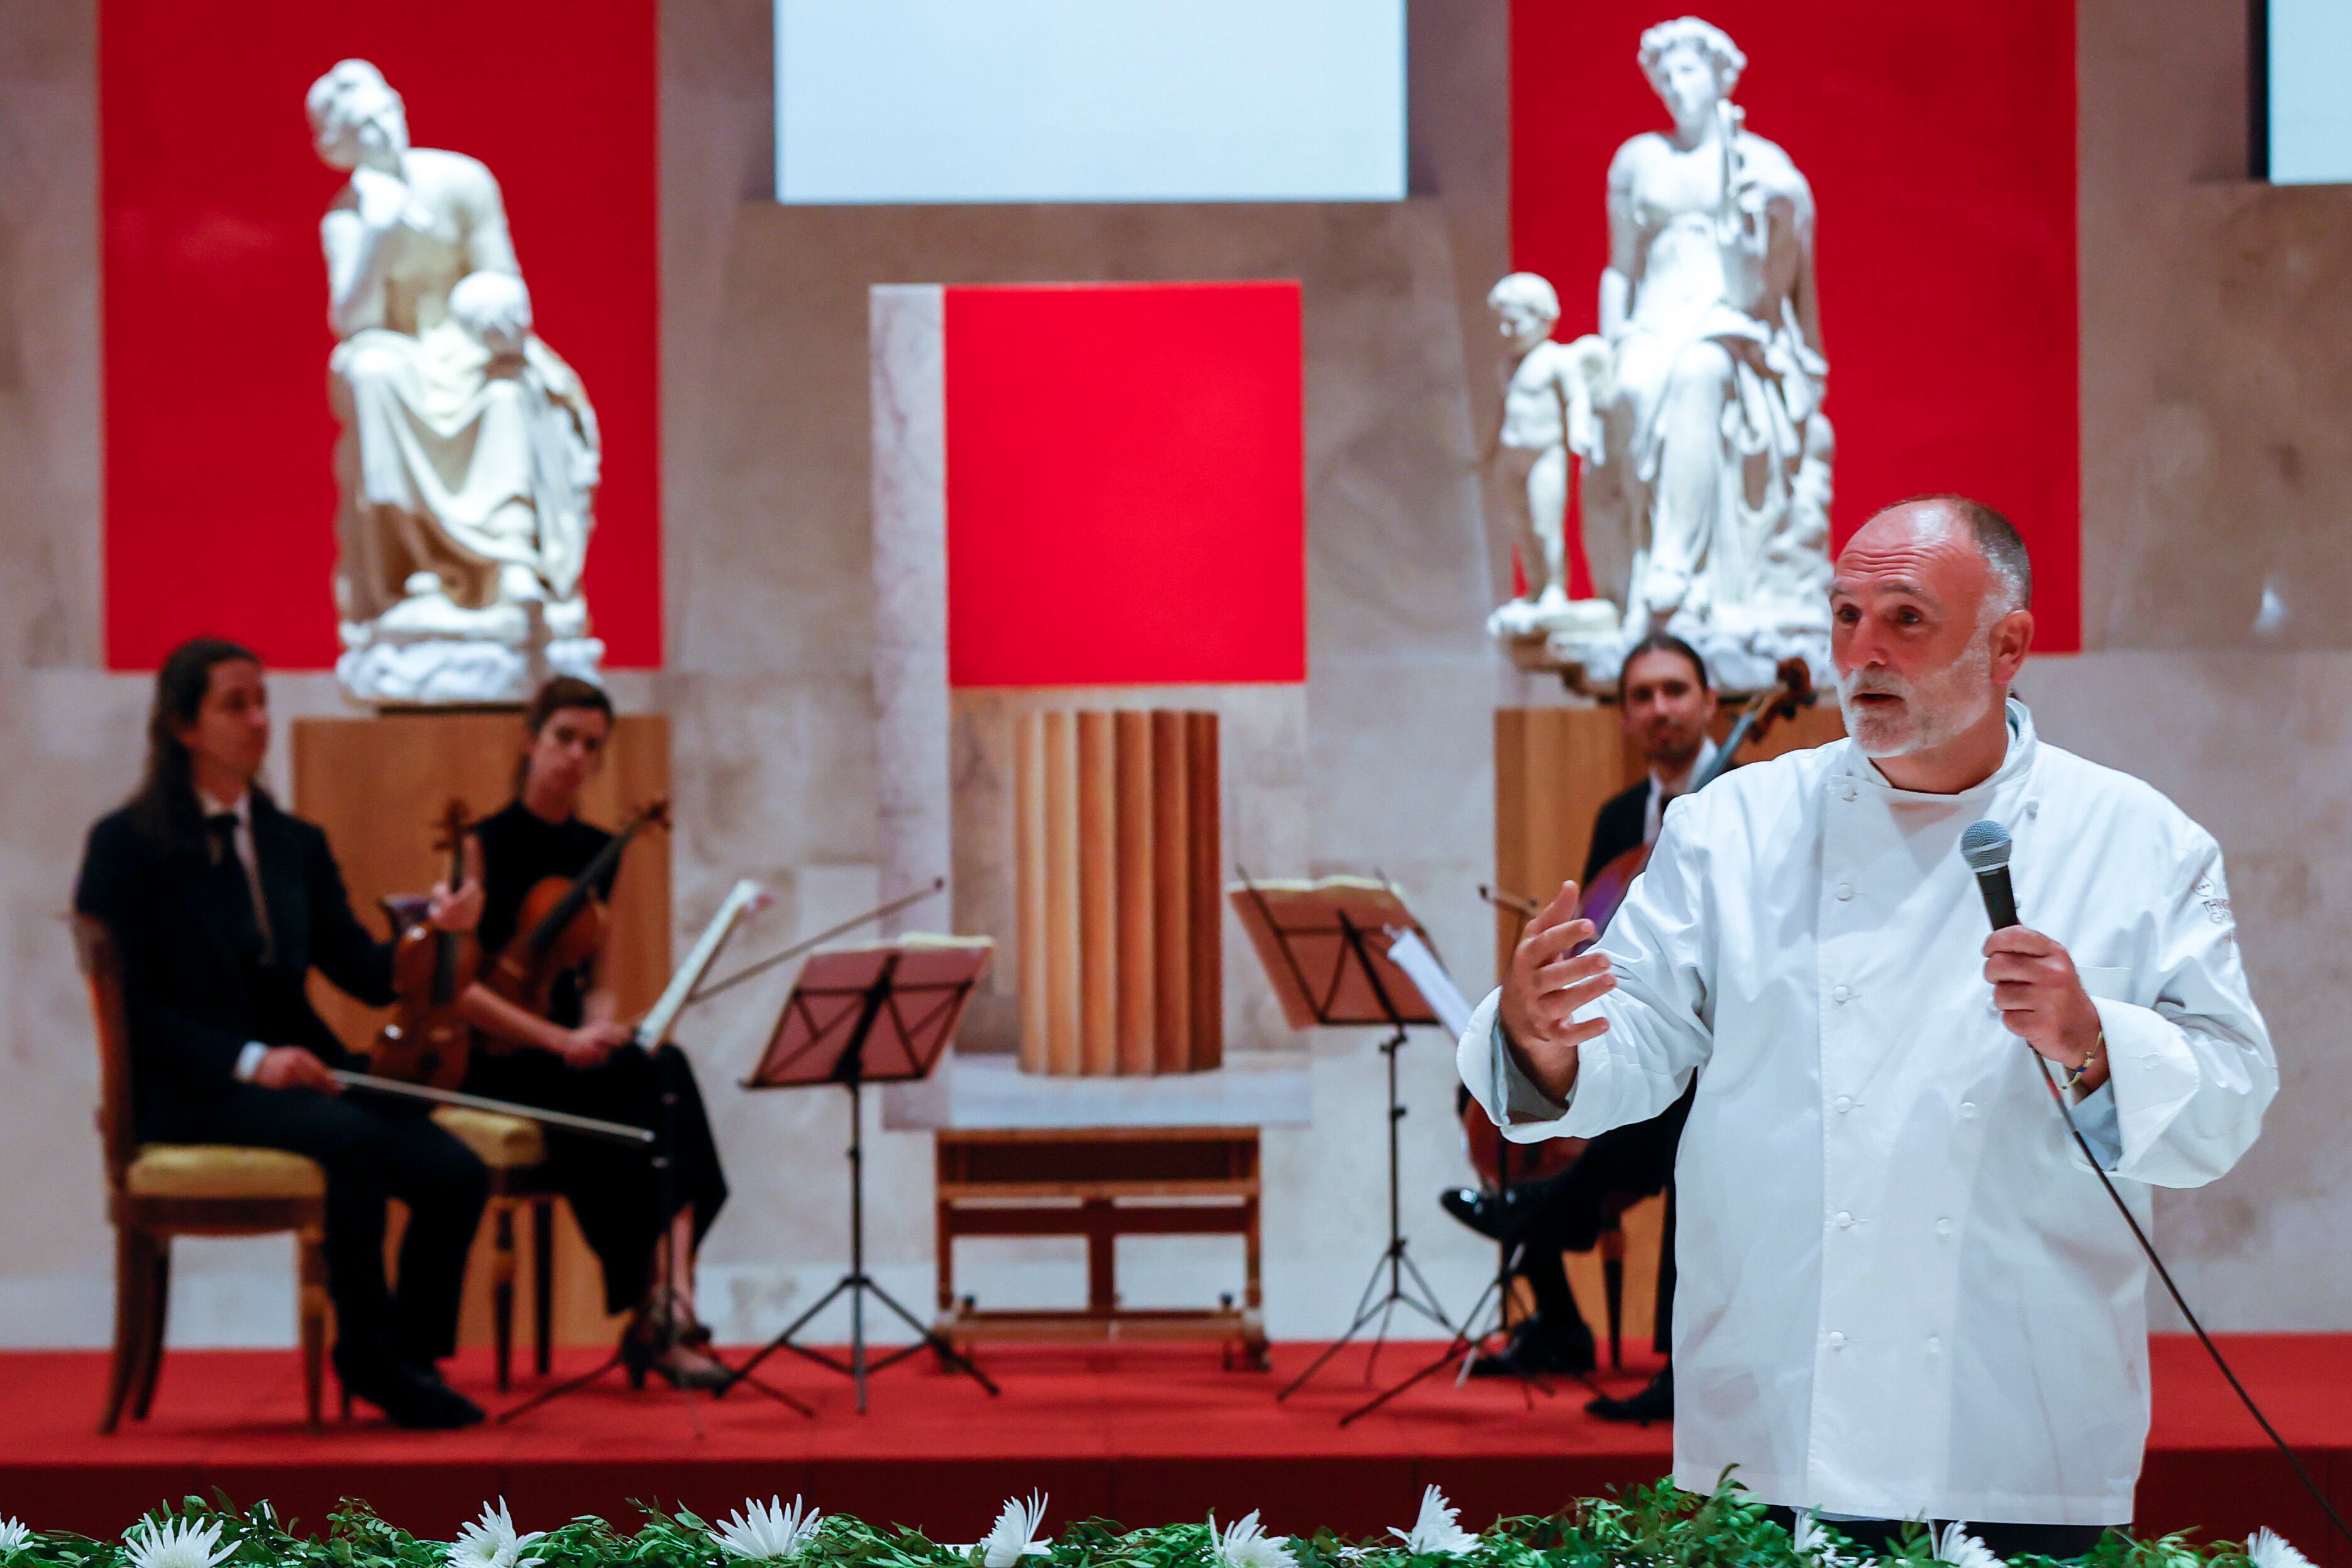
pixel 233 888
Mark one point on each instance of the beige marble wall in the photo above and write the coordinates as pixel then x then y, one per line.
pixel 2212 316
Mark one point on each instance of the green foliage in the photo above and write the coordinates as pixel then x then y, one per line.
pixel 1646 1526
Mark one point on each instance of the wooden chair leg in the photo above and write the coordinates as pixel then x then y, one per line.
pixel 502 1272
pixel 133 1299
pixel 158 1291
pixel 542 1284
pixel 313 1265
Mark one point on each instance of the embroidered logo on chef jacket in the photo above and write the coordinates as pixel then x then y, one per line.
pixel 2214 897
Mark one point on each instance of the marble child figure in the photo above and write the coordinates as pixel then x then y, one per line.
pixel 1548 394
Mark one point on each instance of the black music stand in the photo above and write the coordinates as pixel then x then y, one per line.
pixel 883 1013
pixel 1325 946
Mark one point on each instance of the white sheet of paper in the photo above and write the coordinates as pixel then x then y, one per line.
pixel 1410 953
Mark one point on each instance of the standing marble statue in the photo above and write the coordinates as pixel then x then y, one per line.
pixel 468 460
pixel 1712 481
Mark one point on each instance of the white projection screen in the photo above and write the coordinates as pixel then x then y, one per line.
pixel 2310 113
pixel 1089 101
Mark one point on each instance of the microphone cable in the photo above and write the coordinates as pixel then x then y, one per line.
pixel 2165 1274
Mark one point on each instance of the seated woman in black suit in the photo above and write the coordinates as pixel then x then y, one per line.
pixel 578 1058
pixel 221 904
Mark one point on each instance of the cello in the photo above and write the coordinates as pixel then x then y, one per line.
pixel 563 923
pixel 1792 690
pixel 426 1041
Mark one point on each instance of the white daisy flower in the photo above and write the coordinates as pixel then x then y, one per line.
pixel 13 1536
pixel 176 1543
pixel 1955 1545
pixel 766 1533
pixel 1243 1544
pixel 2269 1549
pixel 1014 1534
pixel 490 1542
pixel 1438 1530
pixel 1811 1539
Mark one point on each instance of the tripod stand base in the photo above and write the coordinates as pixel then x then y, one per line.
pixel 858 1367
pixel 1382 1305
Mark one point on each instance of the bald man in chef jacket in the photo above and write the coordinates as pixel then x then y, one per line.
pixel 1903 1295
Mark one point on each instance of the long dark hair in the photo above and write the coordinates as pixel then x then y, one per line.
pixel 164 805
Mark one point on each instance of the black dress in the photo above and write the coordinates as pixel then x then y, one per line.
pixel 615 1191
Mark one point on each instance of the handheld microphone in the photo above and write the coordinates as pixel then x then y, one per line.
pixel 1985 846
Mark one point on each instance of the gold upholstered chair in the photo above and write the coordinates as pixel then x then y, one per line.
pixel 159 1190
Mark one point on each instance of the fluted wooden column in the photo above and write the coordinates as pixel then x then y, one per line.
pixel 1117 849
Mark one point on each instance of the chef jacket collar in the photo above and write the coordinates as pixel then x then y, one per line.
pixel 2019 762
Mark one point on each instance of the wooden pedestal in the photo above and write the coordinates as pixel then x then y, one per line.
pixel 1103 1183
pixel 375 785
pixel 1554 769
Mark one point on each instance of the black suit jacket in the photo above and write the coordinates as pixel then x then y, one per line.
pixel 192 1002
pixel 1617 828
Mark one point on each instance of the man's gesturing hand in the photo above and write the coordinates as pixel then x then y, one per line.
pixel 2042 999
pixel 1544 987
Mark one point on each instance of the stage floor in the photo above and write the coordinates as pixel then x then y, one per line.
pixel 1142 1435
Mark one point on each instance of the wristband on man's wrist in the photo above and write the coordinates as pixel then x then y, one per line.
pixel 2074 1074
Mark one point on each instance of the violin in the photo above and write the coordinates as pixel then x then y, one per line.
pixel 563 923
pixel 426 1041
pixel 1500 1164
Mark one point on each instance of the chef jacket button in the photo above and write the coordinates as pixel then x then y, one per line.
pixel 1842 1104
pixel 1845 1220
pixel 1944 1226
pixel 1846 793
pixel 1935 1345
pixel 2033 808
pixel 1845 891
pixel 1839 993
pixel 1968 1107
pixel 1837 1340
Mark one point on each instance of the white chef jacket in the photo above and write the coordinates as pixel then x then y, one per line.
pixel 1901 1293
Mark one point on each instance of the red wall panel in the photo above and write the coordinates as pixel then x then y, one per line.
pixel 1126 484
pixel 219 488
pixel 1940 140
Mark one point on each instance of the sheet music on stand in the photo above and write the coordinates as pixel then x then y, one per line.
pixel 1340 951
pixel 916 988
pixel 1326 946
pixel 883 1013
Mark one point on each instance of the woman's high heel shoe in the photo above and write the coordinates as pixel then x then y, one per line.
pixel 651 1344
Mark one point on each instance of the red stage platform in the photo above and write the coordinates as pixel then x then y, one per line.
pixel 1141 1436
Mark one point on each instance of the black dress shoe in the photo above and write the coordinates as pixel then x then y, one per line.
pixel 410 1396
pixel 1491 1214
pixel 1538 1350
pixel 1655 1403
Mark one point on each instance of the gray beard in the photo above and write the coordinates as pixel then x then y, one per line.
pixel 1932 714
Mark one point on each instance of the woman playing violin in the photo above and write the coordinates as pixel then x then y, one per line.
pixel 575 1057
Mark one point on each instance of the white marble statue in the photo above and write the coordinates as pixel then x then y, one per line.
pixel 1715 458
pixel 468 460
pixel 1549 392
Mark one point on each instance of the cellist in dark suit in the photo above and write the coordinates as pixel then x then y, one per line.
pixel 221 904
pixel 1667 703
